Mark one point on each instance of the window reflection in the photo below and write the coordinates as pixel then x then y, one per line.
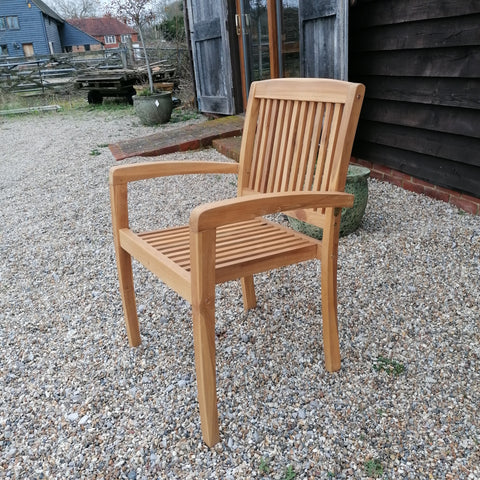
pixel 289 35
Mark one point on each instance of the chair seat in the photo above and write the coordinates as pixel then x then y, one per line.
pixel 242 248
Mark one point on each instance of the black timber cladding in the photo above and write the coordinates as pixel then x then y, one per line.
pixel 420 62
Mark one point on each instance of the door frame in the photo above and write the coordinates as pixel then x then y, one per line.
pixel 273 43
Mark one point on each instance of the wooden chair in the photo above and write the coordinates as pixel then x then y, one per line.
pixel 295 151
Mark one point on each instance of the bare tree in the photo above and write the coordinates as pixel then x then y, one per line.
pixel 76 8
pixel 138 12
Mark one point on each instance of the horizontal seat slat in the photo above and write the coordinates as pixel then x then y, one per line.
pixel 255 256
pixel 164 233
pixel 236 270
pixel 255 249
pixel 239 246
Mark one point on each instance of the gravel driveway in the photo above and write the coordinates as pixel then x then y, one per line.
pixel 77 402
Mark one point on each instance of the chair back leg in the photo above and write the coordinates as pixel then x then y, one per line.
pixel 329 255
pixel 248 290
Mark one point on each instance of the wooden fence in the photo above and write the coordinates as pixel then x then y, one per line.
pixel 58 72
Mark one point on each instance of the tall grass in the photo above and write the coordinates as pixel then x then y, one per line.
pixel 76 101
pixel 11 101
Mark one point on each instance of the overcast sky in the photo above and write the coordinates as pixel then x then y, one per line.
pixel 100 4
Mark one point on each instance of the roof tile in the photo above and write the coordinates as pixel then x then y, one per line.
pixel 97 26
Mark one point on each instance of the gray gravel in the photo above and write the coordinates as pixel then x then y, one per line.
pixel 77 402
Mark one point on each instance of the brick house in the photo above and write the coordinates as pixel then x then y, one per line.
pixel 107 30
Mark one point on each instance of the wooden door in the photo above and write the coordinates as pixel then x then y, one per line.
pixel 28 49
pixel 324 38
pixel 211 55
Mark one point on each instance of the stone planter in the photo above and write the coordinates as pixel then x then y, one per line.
pixel 357 185
pixel 153 109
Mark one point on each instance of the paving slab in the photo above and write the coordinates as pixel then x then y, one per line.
pixel 230 147
pixel 190 137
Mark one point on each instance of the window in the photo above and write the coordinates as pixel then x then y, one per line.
pixel 125 38
pixel 3 50
pixel 9 23
pixel 12 23
pixel 110 39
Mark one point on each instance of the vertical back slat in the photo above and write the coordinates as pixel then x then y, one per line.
pixel 323 148
pixel 292 136
pixel 268 158
pixel 263 143
pixel 298 179
pixel 332 143
pixel 279 129
pixel 278 174
pixel 301 136
pixel 314 146
pixel 328 168
pixel 257 156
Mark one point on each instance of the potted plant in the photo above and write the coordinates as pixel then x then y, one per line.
pixel 152 107
pixel 357 185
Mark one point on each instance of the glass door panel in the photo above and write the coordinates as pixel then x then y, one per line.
pixel 269 32
pixel 288 30
pixel 255 39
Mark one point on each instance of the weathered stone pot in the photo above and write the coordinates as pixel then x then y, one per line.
pixel 153 109
pixel 357 185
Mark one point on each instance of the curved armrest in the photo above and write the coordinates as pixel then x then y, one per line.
pixel 141 171
pixel 223 212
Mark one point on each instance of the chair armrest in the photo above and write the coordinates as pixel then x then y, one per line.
pixel 141 171
pixel 223 212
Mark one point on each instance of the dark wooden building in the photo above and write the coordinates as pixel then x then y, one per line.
pixel 420 62
pixel 419 59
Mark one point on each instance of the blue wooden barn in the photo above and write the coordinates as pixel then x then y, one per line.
pixel 30 27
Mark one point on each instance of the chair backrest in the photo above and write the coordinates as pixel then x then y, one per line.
pixel 298 136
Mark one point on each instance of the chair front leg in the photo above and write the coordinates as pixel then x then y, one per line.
pixel 203 311
pixel 119 204
pixel 127 291
pixel 329 255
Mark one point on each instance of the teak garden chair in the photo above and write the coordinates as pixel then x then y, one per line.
pixel 295 151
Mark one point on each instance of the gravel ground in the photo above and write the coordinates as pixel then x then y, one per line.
pixel 77 402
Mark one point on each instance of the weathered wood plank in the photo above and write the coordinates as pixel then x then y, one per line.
pixel 420 62
pixel 41 108
pixel 441 172
pixel 453 92
pixel 324 38
pixel 442 145
pixel 387 12
pixel 207 30
pixel 433 118
pixel 210 49
pixel 442 62
pixel 435 33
